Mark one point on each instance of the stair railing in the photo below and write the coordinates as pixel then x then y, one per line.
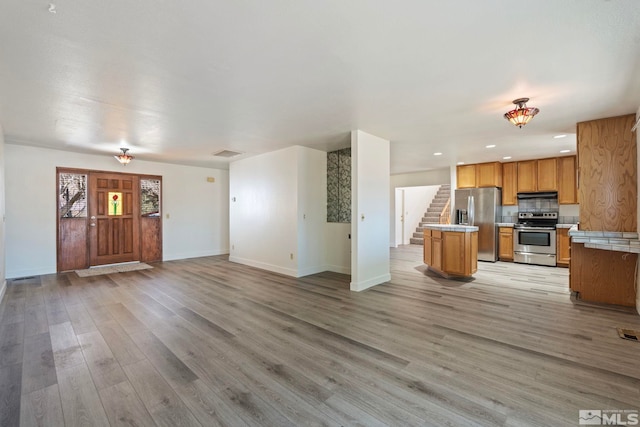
pixel 445 215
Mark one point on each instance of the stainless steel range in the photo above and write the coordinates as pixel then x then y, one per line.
pixel 534 238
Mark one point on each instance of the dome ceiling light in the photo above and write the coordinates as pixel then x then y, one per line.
pixel 124 158
pixel 522 114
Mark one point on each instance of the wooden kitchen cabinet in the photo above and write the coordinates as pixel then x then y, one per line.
pixel 563 244
pixel 428 245
pixel 451 253
pixel 489 174
pixel 603 276
pixel 567 185
pixel 509 184
pixel 505 243
pixel 436 250
pixel 466 176
pixel 607 165
pixel 527 176
pixel 547 171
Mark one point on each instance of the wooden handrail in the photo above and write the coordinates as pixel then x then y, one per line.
pixel 445 215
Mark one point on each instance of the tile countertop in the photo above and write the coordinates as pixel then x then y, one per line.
pixel 511 224
pixel 451 227
pixel 606 240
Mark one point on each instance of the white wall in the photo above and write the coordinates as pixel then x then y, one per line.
pixel 414 179
pixel 338 247
pixel 3 282
pixel 312 211
pixel 278 219
pixel 370 203
pixel 198 210
pixel 264 211
pixel 417 179
pixel 416 202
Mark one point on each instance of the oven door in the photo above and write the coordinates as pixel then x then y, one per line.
pixel 537 240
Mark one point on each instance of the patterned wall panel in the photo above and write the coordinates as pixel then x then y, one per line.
pixel 339 186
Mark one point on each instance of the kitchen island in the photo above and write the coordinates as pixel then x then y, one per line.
pixel 451 250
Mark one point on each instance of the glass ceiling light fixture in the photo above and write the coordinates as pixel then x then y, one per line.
pixel 124 158
pixel 522 114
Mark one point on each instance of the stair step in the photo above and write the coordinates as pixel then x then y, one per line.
pixel 416 241
pixel 431 215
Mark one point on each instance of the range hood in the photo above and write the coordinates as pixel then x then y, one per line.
pixel 550 195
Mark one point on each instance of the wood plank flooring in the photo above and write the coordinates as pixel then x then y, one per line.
pixel 208 342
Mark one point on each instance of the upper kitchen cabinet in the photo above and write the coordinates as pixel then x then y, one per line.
pixel 489 174
pixel 479 175
pixel 538 175
pixel 607 165
pixel 547 174
pixel 509 184
pixel 567 188
pixel 527 176
pixel 466 176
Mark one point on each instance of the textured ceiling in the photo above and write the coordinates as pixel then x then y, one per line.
pixel 180 80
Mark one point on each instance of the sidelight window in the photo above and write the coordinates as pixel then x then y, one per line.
pixel 72 195
pixel 150 197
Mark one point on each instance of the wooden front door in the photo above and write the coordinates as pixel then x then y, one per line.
pixel 114 225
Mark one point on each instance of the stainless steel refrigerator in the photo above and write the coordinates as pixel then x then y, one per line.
pixel 481 207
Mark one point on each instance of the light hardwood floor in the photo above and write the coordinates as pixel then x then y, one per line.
pixel 208 342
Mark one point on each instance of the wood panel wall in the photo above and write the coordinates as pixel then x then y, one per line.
pixel 607 167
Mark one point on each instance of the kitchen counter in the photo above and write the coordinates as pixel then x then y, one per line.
pixel 606 240
pixel 451 227
pixel 451 250
pixel 565 225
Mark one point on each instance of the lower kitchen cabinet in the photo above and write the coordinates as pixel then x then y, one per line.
pixel 603 276
pixel 505 243
pixel 563 243
pixel 451 253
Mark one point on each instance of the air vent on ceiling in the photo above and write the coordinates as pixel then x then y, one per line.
pixel 226 153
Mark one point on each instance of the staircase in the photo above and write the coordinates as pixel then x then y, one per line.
pixel 432 215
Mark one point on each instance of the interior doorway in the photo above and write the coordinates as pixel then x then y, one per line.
pixel 107 218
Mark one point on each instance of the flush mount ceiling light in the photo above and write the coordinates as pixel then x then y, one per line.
pixel 521 115
pixel 124 158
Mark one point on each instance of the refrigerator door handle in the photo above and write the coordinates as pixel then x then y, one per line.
pixel 471 215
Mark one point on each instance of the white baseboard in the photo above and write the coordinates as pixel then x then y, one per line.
pixel 338 269
pixel 28 273
pixel 199 254
pixel 311 270
pixel 366 284
pixel 265 266
pixel 3 289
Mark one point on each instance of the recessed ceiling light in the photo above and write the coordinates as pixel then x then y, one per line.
pixel 506 157
pixel 491 146
pixel 560 136
pixel 565 151
pixel 461 163
pixel 437 154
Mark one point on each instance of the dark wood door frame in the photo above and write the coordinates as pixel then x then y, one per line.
pixel 72 234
